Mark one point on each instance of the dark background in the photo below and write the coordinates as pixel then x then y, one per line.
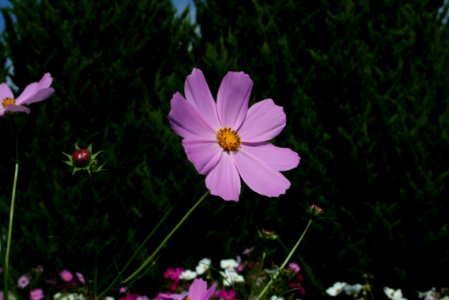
pixel 365 85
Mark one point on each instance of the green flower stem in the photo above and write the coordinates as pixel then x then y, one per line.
pixel 8 240
pixel 151 257
pixel 285 261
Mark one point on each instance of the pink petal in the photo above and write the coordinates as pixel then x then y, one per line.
pixel 210 292
pixel 258 175
pixel 32 92
pixel 16 108
pixel 197 92
pixel 197 289
pixel 280 159
pixel 264 121
pixel 5 92
pixel 187 122
pixel 232 99
pixel 224 180
pixel 27 93
pixel 203 154
pixel 45 81
pixel 40 95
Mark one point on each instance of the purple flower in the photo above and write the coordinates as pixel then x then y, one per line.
pixel 34 92
pixel 66 276
pixel 226 140
pixel 36 294
pixel 23 281
pixel 80 277
pixel 197 291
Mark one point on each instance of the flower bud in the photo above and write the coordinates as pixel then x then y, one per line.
pixel 81 157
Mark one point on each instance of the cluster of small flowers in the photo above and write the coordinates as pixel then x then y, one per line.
pixel 30 286
pixel 359 291
pixel 235 277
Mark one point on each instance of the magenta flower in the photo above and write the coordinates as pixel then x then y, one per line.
pixel 34 92
pixel 173 273
pixel 197 291
pixel 226 295
pixel 66 276
pixel 226 140
pixel 36 294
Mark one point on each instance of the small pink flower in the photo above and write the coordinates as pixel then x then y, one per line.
pixel 294 267
pixel 34 92
pixel 226 295
pixel 228 141
pixel 36 294
pixel 23 281
pixel 66 276
pixel 123 290
pixel 173 273
pixel 80 277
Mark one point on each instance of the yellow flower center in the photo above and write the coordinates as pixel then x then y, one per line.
pixel 228 139
pixel 8 101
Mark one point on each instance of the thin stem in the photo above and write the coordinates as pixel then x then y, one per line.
pixel 94 200
pixel 285 261
pixel 8 240
pixel 11 218
pixel 150 258
pixel 118 277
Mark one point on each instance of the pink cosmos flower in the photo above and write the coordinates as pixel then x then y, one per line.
pixel 226 140
pixel 197 291
pixel 23 281
pixel 36 294
pixel 34 92
pixel 66 276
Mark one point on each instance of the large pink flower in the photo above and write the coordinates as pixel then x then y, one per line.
pixel 34 92
pixel 226 140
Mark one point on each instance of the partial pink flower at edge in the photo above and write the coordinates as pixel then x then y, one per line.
pixel 225 140
pixel 34 92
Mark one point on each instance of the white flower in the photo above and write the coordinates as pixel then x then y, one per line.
pixel 352 289
pixel 393 294
pixel 274 297
pixel 336 289
pixel 231 276
pixel 64 296
pixel 188 275
pixel 427 295
pixel 203 266
pixel 228 264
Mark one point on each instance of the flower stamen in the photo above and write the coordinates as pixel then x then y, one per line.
pixel 228 139
pixel 8 101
